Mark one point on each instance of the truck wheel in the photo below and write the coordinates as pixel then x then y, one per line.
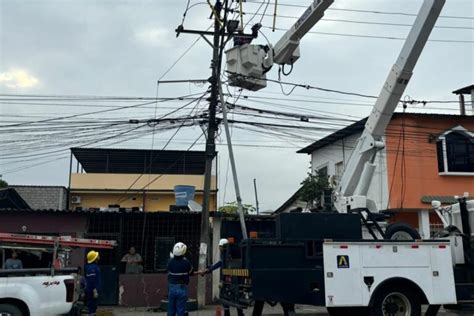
pixel 396 300
pixel 401 231
pixel 9 310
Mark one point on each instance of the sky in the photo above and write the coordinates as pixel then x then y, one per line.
pixel 121 48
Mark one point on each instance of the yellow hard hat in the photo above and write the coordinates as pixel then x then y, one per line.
pixel 92 256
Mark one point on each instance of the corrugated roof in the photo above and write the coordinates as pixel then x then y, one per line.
pixel 443 199
pixel 340 134
pixel 111 160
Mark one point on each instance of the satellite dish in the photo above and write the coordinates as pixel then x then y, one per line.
pixel 194 206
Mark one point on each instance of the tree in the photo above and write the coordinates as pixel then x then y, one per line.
pixel 3 183
pixel 232 208
pixel 313 189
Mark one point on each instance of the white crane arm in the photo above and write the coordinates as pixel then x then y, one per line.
pixel 286 49
pixel 355 182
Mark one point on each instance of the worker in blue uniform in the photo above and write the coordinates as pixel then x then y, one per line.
pixel 179 270
pixel 222 244
pixel 93 283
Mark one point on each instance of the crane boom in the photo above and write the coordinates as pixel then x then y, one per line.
pixel 355 182
pixel 286 50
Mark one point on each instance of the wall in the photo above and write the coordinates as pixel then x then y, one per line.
pixel 103 181
pixel 153 201
pixel 37 222
pixel 150 289
pixel 43 197
pixel 102 190
pixel 340 151
pixel 421 175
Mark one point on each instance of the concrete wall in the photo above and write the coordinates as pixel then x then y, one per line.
pixel 150 289
pixel 421 176
pixel 340 151
pixel 43 197
pixel 65 224
pixel 156 201
pixel 105 181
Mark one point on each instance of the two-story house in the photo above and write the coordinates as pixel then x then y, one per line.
pixel 135 179
pixel 427 157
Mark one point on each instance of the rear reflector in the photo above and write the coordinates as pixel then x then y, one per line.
pixel 378 246
pixel 442 246
pixel 415 246
pixel 253 235
pixel 343 246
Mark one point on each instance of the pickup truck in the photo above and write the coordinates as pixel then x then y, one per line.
pixel 37 292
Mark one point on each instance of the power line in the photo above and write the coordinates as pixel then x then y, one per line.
pixel 370 23
pixel 375 36
pixel 370 11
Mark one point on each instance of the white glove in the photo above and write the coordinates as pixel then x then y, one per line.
pixel 95 293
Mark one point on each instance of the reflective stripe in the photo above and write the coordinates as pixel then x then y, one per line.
pixel 89 275
pixel 185 273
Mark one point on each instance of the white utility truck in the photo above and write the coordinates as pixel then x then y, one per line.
pixel 326 259
pixel 43 291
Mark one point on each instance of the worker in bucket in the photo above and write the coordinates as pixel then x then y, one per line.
pixel 93 283
pixel 179 270
pixel 222 244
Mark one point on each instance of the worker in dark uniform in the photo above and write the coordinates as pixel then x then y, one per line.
pixel 93 284
pixel 179 270
pixel 222 243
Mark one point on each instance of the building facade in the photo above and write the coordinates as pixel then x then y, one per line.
pixel 133 179
pixel 426 157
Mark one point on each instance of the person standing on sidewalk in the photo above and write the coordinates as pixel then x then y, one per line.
pixel 222 243
pixel 93 283
pixel 179 270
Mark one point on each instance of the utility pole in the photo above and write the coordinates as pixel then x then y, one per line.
pixel 256 196
pixel 221 33
pixel 210 153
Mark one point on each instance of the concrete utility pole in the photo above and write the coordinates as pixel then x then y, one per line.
pixel 223 30
pixel 210 153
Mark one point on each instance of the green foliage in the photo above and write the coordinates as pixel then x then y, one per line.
pixel 313 188
pixel 3 183
pixel 232 208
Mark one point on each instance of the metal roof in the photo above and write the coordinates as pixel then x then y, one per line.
pixel 105 160
pixel 340 134
pixel 465 90
pixel 443 199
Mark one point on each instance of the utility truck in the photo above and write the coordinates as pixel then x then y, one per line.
pixel 350 261
pixel 42 291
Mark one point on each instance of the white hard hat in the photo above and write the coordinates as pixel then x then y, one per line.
pixel 223 242
pixel 179 249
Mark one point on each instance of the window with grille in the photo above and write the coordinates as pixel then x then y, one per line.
pixel 455 151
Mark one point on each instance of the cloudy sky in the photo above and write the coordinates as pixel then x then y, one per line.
pixel 120 48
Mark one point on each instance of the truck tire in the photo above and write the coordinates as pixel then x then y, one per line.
pixel 345 311
pixel 401 231
pixel 396 300
pixel 9 310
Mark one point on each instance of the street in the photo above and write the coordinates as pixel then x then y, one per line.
pixel 269 311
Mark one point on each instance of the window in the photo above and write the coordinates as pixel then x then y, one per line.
pixel 323 172
pixel 455 150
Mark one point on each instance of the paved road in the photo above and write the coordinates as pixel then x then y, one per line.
pixel 269 311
